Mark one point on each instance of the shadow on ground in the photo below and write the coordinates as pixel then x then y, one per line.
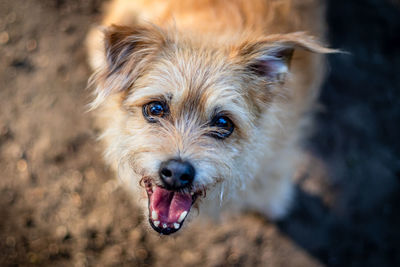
pixel 358 136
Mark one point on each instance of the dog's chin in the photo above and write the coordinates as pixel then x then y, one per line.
pixel 168 209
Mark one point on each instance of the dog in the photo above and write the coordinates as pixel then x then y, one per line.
pixel 205 103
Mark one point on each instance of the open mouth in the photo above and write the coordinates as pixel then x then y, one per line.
pixel 168 209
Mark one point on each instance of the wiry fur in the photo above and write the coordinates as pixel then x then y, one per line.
pixel 204 57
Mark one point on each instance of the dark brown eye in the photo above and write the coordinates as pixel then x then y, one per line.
pixel 154 110
pixel 223 127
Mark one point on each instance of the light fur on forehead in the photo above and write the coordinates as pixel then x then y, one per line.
pixel 130 51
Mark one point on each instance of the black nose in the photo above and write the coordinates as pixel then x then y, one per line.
pixel 176 173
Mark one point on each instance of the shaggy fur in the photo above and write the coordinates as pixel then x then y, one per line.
pixel 257 62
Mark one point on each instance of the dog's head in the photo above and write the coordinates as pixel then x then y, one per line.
pixel 184 114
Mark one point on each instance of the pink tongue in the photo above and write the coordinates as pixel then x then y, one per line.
pixel 169 204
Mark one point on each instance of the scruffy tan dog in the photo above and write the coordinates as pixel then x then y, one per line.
pixel 205 102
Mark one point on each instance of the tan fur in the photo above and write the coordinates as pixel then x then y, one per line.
pixel 197 55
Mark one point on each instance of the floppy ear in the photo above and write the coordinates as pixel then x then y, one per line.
pixel 129 45
pixel 270 57
pixel 128 51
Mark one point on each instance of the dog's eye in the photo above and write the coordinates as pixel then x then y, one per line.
pixel 153 110
pixel 224 127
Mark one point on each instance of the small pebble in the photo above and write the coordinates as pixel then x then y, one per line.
pixel 31 45
pixel 4 37
pixel 10 241
pixel 22 165
pixel 142 253
pixel 11 18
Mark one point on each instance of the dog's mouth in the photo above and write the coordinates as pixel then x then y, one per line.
pixel 168 209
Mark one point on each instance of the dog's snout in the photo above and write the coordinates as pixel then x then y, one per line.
pixel 176 173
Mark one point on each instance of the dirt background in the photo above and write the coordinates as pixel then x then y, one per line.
pixel 60 205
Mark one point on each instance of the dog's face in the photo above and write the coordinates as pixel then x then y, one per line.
pixel 186 113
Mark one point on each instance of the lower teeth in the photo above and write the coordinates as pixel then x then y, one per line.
pixel 182 217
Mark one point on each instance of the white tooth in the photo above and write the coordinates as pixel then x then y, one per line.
pixel 164 225
pixel 156 223
pixel 176 225
pixel 182 217
pixel 154 215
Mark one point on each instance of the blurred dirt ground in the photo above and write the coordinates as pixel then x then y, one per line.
pixel 60 205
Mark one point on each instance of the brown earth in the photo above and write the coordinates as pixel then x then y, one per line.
pixel 60 205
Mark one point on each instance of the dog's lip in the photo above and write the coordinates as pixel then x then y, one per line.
pixel 166 227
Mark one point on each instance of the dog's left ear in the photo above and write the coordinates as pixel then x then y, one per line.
pixel 128 51
pixel 270 57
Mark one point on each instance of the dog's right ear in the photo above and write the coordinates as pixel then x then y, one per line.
pixel 128 51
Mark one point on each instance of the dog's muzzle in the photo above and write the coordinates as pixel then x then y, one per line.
pixel 170 202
